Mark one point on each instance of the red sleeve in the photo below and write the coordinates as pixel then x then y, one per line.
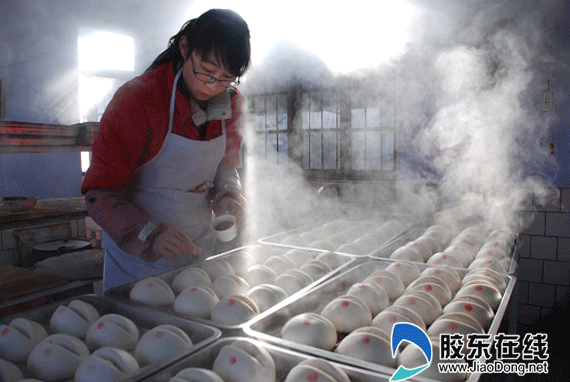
pixel 117 151
pixel 234 131
pixel 119 144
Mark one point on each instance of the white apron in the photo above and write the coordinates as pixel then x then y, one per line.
pixel 160 188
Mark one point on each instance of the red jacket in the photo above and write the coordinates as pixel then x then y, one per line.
pixel 131 133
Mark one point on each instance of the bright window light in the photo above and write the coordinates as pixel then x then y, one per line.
pixel 102 50
pixel 92 90
pixel 85 160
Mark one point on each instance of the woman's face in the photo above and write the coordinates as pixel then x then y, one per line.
pixel 195 66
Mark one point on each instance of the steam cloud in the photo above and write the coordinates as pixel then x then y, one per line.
pixel 469 121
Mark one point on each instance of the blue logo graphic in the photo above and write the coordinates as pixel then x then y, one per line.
pixel 403 331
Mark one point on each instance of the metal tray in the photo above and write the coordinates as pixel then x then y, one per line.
pixel 391 245
pixel 415 233
pixel 278 239
pixel 145 319
pixel 122 292
pixel 267 326
pixel 285 360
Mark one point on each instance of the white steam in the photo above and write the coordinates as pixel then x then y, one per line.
pixel 470 130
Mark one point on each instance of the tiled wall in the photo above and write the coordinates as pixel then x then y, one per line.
pixel 544 265
pixel 9 242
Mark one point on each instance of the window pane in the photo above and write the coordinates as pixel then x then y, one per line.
pixel 373 159
pixel 282 149
pixel 305 119
pixel 258 105
pixel 358 151
pixel 316 151
pixel 315 120
pixel 259 122
pixel 100 50
pixel 306 150
pixel 388 116
pixel 271 150
pixel 373 117
pixel 282 112
pixel 357 117
pixel 329 120
pixel 388 150
pixel 330 147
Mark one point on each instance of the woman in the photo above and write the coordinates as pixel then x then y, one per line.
pixel 165 154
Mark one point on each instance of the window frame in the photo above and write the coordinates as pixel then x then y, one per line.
pixel 297 95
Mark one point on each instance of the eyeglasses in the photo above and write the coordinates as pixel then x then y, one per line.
pixel 211 79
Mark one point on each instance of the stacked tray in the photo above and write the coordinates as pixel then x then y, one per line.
pixel 286 326
pixel 75 330
pixel 352 237
pixel 229 289
pixel 284 359
pixel 469 248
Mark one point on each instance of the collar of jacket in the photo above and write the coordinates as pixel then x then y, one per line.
pixel 218 107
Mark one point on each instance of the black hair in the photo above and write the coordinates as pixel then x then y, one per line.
pixel 221 31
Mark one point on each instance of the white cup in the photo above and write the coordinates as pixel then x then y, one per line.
pixel 225 227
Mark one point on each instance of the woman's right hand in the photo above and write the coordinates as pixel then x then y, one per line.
pixel 172 243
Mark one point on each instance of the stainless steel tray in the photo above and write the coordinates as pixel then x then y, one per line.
pixel 145 319
pixel 414 233
pixel 391 245
pixel 267 326
pixel 285 360
pixel 122 292
pixel 400 220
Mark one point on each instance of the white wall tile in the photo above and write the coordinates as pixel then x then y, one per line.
pixel 536 225
pixel 565 200
pixel 556 272
pixel 562 296
pixel 548 199
pixel 542 295
pixel 543 247
pixel 530 270
pixel 557 224
pixel 523 246
pixel 528 314
pixel 563 249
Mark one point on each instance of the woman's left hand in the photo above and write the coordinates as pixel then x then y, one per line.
pixel 231 205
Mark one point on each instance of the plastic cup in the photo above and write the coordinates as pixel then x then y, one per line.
pixel 225 227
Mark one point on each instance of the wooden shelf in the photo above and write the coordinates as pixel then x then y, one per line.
pixel 23 137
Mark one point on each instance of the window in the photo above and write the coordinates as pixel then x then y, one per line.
pixel 321 130
pixel 105 61
pixel 270 121
pixel 339 137
pixel 372 134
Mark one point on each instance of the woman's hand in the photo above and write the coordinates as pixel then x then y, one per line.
pixel 172 243
pixel 231 205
